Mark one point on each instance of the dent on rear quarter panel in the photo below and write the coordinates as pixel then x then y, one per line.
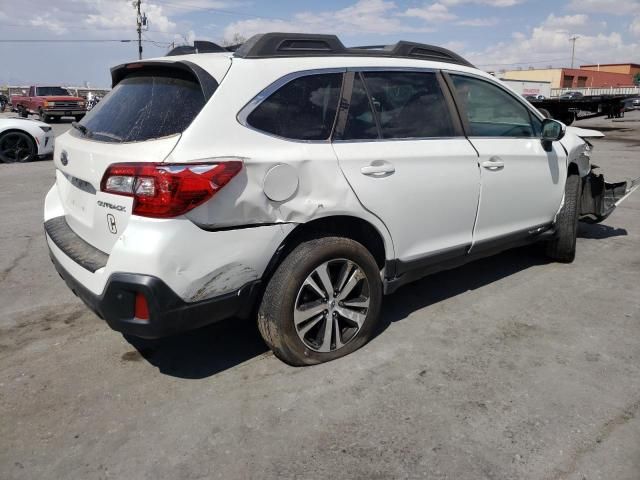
pixel 321 191
pixel 222 280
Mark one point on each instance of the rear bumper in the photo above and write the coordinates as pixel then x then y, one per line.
pixel 168 313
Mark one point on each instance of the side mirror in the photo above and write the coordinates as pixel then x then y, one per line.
pixel 552 130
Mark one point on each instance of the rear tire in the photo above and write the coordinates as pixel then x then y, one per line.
pixel 22 112
pixel 563 247
pixel 300 283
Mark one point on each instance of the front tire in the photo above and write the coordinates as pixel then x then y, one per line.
pixel 563 247
pixel 323 302
pixel 17 147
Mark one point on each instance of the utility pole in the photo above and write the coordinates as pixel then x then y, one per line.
pixel 139 20
pixel 573 47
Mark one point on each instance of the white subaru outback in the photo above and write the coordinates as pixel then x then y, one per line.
pixel 299 181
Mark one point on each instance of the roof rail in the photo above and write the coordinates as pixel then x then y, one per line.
pixel 199 46
pixel 272 45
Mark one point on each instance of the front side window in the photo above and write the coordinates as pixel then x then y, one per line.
pixel 490 111
pixel 303 109
pixel 409 104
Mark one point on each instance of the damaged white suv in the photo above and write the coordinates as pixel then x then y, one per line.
pixel 299 181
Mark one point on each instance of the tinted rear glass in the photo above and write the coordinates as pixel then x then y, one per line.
pixel 303 109
pixel 144 107
pixel 409 104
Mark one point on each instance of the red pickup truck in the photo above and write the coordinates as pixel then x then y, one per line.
pixel 49 103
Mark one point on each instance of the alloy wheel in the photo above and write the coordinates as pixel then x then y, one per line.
pixel 331 305
pixel 15 147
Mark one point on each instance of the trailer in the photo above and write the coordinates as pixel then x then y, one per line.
pixel 567 110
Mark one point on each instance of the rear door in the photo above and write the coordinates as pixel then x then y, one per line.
pixel 404 155
pixel 140 120
pixel 522 182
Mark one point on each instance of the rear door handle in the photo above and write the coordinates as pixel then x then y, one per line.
pixel 494 163
pixel 378 168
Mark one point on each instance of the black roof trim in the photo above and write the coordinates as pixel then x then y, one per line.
pixel 208 84
pixel 199 46
pixel 274 45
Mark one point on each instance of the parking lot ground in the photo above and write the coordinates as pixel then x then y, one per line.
pixel 507 368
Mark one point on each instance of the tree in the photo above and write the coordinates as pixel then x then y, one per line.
pixel 236 39
pixel 636 79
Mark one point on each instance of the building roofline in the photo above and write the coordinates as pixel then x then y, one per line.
pixel 611 65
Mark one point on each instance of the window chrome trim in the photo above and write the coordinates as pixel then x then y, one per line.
pixel 393 69
pixel 408 139
pixel 245 111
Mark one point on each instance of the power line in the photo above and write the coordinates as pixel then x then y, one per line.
pixel 521 63
pixel 188 6
pixel 57 40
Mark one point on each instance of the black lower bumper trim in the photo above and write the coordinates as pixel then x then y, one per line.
pixel 168 313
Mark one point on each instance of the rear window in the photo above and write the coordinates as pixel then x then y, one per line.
pixel 303 109
pixel 51 91
pixel 144 107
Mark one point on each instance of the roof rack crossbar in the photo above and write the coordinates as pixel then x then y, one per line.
pixel 272 45
pixel 199 46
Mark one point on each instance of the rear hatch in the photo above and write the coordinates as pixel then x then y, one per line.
pixel 140 120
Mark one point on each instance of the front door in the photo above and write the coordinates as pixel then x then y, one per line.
pixel 522 182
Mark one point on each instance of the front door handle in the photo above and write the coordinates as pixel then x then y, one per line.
pixel 494 163
pixel 378 168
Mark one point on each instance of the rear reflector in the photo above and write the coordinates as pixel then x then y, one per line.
pixel 142 308
pixel 164 190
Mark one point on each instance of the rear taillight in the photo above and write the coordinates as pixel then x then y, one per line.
pixel 164 190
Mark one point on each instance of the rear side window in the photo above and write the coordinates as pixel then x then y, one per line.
pixel 303 109
pixel 361 122
pixel 409 104
pixel 492 112
pixel 144 107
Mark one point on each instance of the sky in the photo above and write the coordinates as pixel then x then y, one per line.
pixel 493 34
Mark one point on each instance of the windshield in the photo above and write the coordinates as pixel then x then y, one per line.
pixel 143 107
pixel 46 91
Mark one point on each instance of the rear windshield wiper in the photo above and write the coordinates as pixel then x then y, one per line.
pixel 81 128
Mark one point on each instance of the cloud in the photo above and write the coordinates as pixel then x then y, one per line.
pixel 610 7
pixel 48 22
pixel 117 16
pixel 479 22
pixel 634 27
pixel 490 3
pixel 364 16
pixel 565 22
pixel 435 12
pixel 546 46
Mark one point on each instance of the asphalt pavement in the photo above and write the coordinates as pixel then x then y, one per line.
pixel 511 367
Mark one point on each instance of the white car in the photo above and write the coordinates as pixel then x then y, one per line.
pixel 300 180
pixel 23 140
